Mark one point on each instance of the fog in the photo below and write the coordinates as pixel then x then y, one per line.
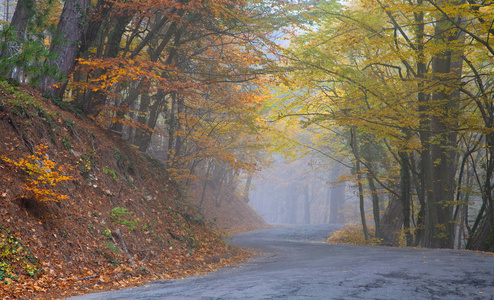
pixel 301 192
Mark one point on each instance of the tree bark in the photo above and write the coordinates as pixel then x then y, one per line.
pixel 446 64
pixel 23 13
pixel 405 194
pixel 375 204
pixel 337 195
pixel 392 222
pixel 65 46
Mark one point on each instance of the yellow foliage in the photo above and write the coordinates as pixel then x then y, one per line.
pixel 43 173
pixel 352 234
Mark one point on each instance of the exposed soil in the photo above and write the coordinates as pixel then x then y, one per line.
pixel 72 246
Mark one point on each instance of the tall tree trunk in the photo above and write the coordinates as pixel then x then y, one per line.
pixel 337 195
pixel 98 16
pixel 482 232
pixel 424 182
pixel 90 100
pixel 65 45
pixel 172 122
pixel 248 183
pixel 152 120
pixel 23 13
pixel 392 221
pixel 306 204
pixel 142 119
pixel 291 204
pixel 375 204
pixel 356 153
pixel 361 200
pixel 327 205
pixel 204 186
pixel 439 226
pixel 405 194
pixel 180 115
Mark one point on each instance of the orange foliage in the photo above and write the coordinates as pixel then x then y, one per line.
pixel 43 173
pixel 120 72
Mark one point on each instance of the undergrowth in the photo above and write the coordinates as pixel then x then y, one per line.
pixel 15 258
pixel 120 216
pixel 352 234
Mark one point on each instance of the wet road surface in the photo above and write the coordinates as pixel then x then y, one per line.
pixel 296 264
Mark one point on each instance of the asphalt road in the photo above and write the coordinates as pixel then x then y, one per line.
pixel 295 264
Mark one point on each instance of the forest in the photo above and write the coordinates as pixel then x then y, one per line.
pixel 393 99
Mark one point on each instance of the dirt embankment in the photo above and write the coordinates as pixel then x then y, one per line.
pixel 118 221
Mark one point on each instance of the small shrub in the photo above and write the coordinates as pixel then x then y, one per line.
pixel 111 246
pixel 67 144
pixel 43 174
pixel 110 172
pixel 121 216
pixel 15 259
pixel 86 162
pixel 352 234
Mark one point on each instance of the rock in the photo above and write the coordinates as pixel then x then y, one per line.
pixel 75 153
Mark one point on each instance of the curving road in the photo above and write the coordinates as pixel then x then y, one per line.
pixel 295 264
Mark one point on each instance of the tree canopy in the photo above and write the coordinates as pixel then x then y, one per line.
pixel 397 92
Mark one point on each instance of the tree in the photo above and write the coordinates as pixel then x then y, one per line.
pixel 394 70
pixel 65 46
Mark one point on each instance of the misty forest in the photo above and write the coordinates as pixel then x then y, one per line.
pixel 377 114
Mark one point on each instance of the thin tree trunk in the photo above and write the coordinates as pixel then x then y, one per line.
pixel 337 195
pixel 306 204
pixel 361 201
pixel 375 204
pixel 405 186
pixel 247 187
pixel 204 186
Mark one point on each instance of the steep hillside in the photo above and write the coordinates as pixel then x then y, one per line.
pixel 118 221
pixel 227 214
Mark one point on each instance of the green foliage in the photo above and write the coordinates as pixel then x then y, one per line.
pixel 123 161
pixel 110 259
pixel 120 215
pixel 125 165
pixel 182 220
pixel 65 105
pixel 19 100
pixel 106 233
pixel 27 56
pixel 49 117
pixel 111 246
pixel 69 123
pixel 86 162
pixel 110 172
pixel 156 162
pixel 67 144
pixel 15 258
pixel 84 166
